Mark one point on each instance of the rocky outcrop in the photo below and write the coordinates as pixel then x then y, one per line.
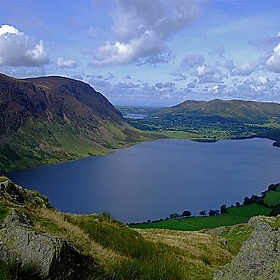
pixel 53 257
pixel 20 196
pixel 259 257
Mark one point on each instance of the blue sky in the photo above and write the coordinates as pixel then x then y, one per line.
pixel 148 52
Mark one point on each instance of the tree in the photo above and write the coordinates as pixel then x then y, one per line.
pixel 237 204
pixel 202 213
pixel 213 212
pixel 174 216
pixel 186 213
pixel 224 209
pixel 272 187
pixel 246 200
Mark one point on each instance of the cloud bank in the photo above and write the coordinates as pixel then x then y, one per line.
pixel 63 63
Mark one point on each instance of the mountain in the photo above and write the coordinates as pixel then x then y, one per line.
pixel 51 119
pixel 231 110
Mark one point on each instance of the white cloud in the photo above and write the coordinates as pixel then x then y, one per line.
pixel 129 85
pixel 259 81
pixel 8 29
pixel 262 80
pixel 147 45
pixel 273 62
pixel 203 70
pixel 244 69
pixel 218 50
pixel 192 61
pixel 149 88
pixel 178 76
pixel 192 84
pixel 142 30
pixel 63 63
pixel 17 49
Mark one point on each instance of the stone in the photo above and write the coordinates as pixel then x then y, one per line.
pixel 259 256
pixel 20 196
pixel 53 257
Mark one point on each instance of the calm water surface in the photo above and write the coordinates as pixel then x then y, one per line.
pixel 154 179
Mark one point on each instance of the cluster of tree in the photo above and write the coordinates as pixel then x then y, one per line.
pixel 212 212
pixel 186 213
pixel 253 199
pixel 272 187
pixel 275 209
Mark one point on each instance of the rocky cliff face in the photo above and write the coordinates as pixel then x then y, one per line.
pixel 259 257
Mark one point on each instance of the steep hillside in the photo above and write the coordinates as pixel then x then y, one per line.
pixel 231 110
pixel 50 119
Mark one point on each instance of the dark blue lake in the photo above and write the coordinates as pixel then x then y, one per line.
pixel 154 179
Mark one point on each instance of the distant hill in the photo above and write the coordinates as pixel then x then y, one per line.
pixel 231 110
pixel 212 120
pixel 50 119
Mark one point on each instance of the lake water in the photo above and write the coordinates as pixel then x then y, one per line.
pixel 154 179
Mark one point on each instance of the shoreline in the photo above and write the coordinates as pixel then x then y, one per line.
pixel 276 143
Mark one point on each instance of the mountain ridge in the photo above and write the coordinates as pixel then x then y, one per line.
pixel 236 109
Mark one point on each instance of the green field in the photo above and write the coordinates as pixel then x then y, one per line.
pixel 234 216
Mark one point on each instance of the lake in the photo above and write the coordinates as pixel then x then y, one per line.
pixel 154 179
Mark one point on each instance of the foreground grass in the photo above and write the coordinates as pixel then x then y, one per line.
pixel 201 254
pixel 123 253
pixel 234 216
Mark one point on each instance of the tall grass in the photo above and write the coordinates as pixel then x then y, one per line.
pixel 149 268
pixel 4 211
pixel 13 270
pixel 145 259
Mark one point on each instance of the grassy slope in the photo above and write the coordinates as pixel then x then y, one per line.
pixel 123 253
pixel 51 142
